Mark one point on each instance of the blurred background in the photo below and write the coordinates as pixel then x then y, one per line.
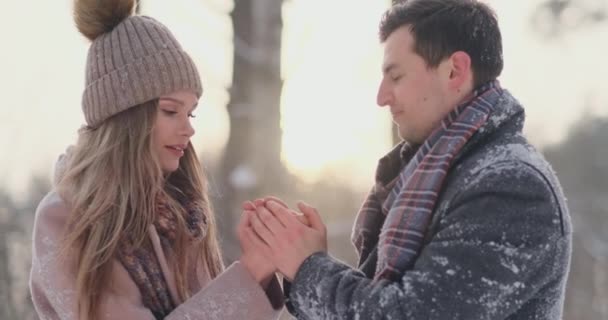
pixel 289 109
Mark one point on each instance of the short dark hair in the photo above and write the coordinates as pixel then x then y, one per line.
pixel 442 27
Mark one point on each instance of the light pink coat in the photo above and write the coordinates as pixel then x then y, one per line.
pixel 232 295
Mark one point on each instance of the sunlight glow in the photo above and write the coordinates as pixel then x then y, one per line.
pixel 330 119
pixel 330 66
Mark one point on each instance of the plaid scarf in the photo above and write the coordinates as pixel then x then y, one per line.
pixel 143 264
pixel 399 208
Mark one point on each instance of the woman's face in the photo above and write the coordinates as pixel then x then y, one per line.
pixel 172 129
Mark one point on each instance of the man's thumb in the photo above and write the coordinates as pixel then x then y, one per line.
pixel 314 219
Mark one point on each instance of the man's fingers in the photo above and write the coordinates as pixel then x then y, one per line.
pixel 276 199
pixel 312 215
pixel 284 215
pixel 299 216
pixel 302 218
pixel 269 219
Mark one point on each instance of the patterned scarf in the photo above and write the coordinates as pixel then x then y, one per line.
pixel 399 208
pixel 143 265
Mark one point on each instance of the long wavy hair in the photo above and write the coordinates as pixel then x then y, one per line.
pixel 111 181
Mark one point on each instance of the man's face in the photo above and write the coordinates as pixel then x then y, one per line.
pixel 417 95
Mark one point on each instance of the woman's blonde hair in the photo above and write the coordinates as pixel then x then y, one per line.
pixel 112 181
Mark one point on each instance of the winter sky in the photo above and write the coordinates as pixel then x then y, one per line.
pixel 331 70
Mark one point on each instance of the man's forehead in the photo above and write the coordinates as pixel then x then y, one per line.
pixel 397 47
pixel 391 57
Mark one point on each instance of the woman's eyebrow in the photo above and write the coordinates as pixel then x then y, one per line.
pixel 181 103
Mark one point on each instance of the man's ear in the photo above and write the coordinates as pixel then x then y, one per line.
pixel 460 70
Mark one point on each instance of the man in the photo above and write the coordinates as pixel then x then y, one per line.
pixel 466 219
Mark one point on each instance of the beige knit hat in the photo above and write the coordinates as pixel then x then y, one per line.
pixel 132 59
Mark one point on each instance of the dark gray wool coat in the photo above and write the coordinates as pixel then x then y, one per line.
pixel 498 246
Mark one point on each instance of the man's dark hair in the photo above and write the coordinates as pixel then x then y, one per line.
pixel 442 27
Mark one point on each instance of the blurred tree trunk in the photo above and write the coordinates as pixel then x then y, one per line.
pixel 7 225
pixel 7 307
pixel 251 164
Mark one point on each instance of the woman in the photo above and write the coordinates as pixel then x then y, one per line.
pixel 127 231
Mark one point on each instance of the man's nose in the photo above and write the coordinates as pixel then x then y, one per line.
pixel 383 98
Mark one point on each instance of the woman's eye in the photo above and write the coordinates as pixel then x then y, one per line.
pixel 191 115
pixel 169 112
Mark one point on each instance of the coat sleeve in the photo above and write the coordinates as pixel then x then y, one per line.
pixel 232 295
pixel 496 246
pixel 52 277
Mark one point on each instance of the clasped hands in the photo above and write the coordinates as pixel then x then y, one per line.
pixel 275 238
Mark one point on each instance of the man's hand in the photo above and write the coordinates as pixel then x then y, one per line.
pixel 280 235
pixel 262 202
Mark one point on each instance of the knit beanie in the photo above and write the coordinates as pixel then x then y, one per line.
pixel 132 59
